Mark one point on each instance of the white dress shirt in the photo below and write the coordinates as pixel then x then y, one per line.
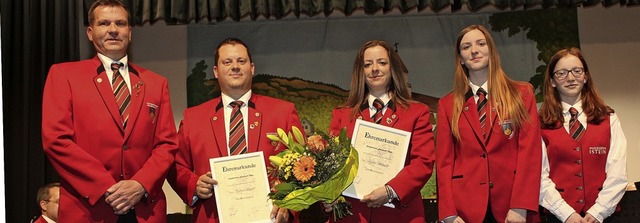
pixel 124 70
pixel 226 101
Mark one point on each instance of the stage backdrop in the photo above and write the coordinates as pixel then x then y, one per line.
pixel 309 62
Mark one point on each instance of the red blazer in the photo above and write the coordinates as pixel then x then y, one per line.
pixel 202 136
pixel 503 170
pixel 418 167
pixel 83 137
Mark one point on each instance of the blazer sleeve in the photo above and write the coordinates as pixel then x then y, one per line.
pixel 336 119
pixel 410 180
pixel 526 186
pixel 181 176
pixel 294 119
pixel 444 163
pixel 84 173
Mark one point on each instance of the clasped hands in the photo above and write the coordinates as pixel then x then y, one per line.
pixel 204 190
pixel 123 195
pixel 576 218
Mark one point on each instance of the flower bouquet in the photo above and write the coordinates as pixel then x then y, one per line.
pixel 315 169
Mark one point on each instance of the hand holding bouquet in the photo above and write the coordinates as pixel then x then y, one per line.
pixel 315 169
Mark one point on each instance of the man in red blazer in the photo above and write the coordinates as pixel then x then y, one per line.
pixel 204 131
pixel 48 199
pixel 112 154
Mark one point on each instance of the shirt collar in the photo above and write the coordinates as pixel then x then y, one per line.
pixel 577 106
pixel 106 61
pixel 474 88
pixel 226 100
pixel 48 219
pixel 385 99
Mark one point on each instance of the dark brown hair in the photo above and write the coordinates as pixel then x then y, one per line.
pixel 398 87
pixel 109 3
pixel 230 41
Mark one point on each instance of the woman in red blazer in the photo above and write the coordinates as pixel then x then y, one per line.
pixel 488 170
pixel 379 74
pixel 584 164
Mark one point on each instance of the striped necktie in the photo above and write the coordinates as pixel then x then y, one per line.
pixel 379 105
pixel 237 142
pixel 120 92
pixel 576 129
pixel 482 110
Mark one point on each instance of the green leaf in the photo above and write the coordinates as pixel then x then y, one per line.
pixel 298 134
pixel 283 136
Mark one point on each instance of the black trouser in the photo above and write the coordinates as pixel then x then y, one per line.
pixel 488 217
pixel 129 217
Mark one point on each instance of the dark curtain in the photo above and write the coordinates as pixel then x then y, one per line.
pixel 35 35
pixel 187 11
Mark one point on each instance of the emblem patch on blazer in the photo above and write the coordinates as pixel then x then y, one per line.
pixel 152 111
pixel 507 128
pixel 598 150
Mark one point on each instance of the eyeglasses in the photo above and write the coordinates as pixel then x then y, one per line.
pixel 562 74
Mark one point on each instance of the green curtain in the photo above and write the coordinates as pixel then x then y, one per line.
pixel 211 11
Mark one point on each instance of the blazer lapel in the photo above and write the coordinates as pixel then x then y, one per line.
pixel 494 119
pixel 470 114
pixel 103 85
pixel 217 126
pixel 137 98
pixel 255 125
pixel 390 116
pixel 364 113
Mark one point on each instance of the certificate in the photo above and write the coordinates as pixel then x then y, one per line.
pixel 241 192
pixel 382 152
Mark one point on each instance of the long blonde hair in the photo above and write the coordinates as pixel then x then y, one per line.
pixel 504 95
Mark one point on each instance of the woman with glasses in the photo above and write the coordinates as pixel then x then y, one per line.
pixel 488 139
pixel 584 161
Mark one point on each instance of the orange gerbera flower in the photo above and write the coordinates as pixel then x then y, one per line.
pixel 304 169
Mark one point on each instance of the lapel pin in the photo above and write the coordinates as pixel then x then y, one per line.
pixel 215 118
pixel 359 117
pixel 99 80
pixel 252 126
pixel 137 87
pixel 466 108
pixel 389 121
pixel 393 116
pixel 257 114
pixel 255 123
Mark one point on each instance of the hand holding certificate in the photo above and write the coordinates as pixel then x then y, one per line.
pixel 242 185
pixel 382 152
